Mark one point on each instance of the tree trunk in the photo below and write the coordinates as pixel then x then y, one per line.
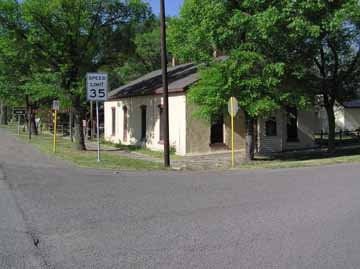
pixel 3 114
pixel 29 122
pixel 249 138
pixel 329 106
pixel 28 116
pixel 78 122
pixel 34 128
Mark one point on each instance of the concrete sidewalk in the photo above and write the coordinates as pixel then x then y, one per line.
pixel 91 145
pixel 212 161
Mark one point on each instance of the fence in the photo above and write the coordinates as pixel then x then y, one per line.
pixel 60 129
pixel 64 130
pixel 342 137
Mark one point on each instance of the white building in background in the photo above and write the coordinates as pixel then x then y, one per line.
pixel 133 116
pixel 347 116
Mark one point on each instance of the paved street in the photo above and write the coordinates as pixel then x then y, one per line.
pixel 54 215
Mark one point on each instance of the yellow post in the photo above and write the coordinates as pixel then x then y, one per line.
pixel 232 133
pixel 55 121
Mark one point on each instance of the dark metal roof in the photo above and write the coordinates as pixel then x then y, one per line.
pixel 352 104
pixel 180 77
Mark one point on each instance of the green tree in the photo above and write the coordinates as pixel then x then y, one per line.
pixel 73 38
pixel 197 33
pixel 3 113
pixel 248 73
pixel 322 49
pixel 312 48
pixel 144 59
pixel 317 41
pixel 22 82
pixel 148 49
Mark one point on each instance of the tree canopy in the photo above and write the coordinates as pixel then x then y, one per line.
pixel 71 38
pixel 278 53
pixel 324 37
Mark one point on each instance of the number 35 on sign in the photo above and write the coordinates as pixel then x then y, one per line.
pixel 97 86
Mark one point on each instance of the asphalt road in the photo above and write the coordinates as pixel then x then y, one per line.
pixel 54 215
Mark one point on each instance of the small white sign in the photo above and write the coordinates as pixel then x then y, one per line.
pixel 56 105
pixel 97 86
pixel 236 107
pixel 19 111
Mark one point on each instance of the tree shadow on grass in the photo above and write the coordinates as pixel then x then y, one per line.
pixel 313 154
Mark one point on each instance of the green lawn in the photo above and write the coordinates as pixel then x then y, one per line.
pixel 112 160
pixel 66 151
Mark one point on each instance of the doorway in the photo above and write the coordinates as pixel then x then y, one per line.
pixel 143 123
pixel 217 131
pixel 292 124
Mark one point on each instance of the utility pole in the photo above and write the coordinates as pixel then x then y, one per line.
pixel 165 84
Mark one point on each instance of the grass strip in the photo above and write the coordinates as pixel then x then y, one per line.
pixel 66 151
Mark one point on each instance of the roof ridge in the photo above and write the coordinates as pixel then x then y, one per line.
pixel 180 76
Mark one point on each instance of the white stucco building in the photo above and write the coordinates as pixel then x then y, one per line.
pixel 347 116
pixel 294 130
pixel 133 116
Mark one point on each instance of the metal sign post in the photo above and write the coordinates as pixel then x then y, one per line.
pixel 19 111
pixel 56 107
pixel 98 131
pixel 18 126
pixel 54 130
pixel 233 108
pixel 97 87
pixel 92 125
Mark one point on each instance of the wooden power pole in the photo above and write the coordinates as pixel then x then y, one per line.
pixel 165 84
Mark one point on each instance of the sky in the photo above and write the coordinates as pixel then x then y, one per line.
pixel 172 6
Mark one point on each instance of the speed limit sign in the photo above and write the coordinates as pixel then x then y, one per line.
pixel 97 86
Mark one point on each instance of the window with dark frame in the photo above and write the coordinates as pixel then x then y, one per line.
pixel 143 123
pixel 271 127
pixel 113 121
pixel 125 129
pixel 161 115
pixel 292 124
